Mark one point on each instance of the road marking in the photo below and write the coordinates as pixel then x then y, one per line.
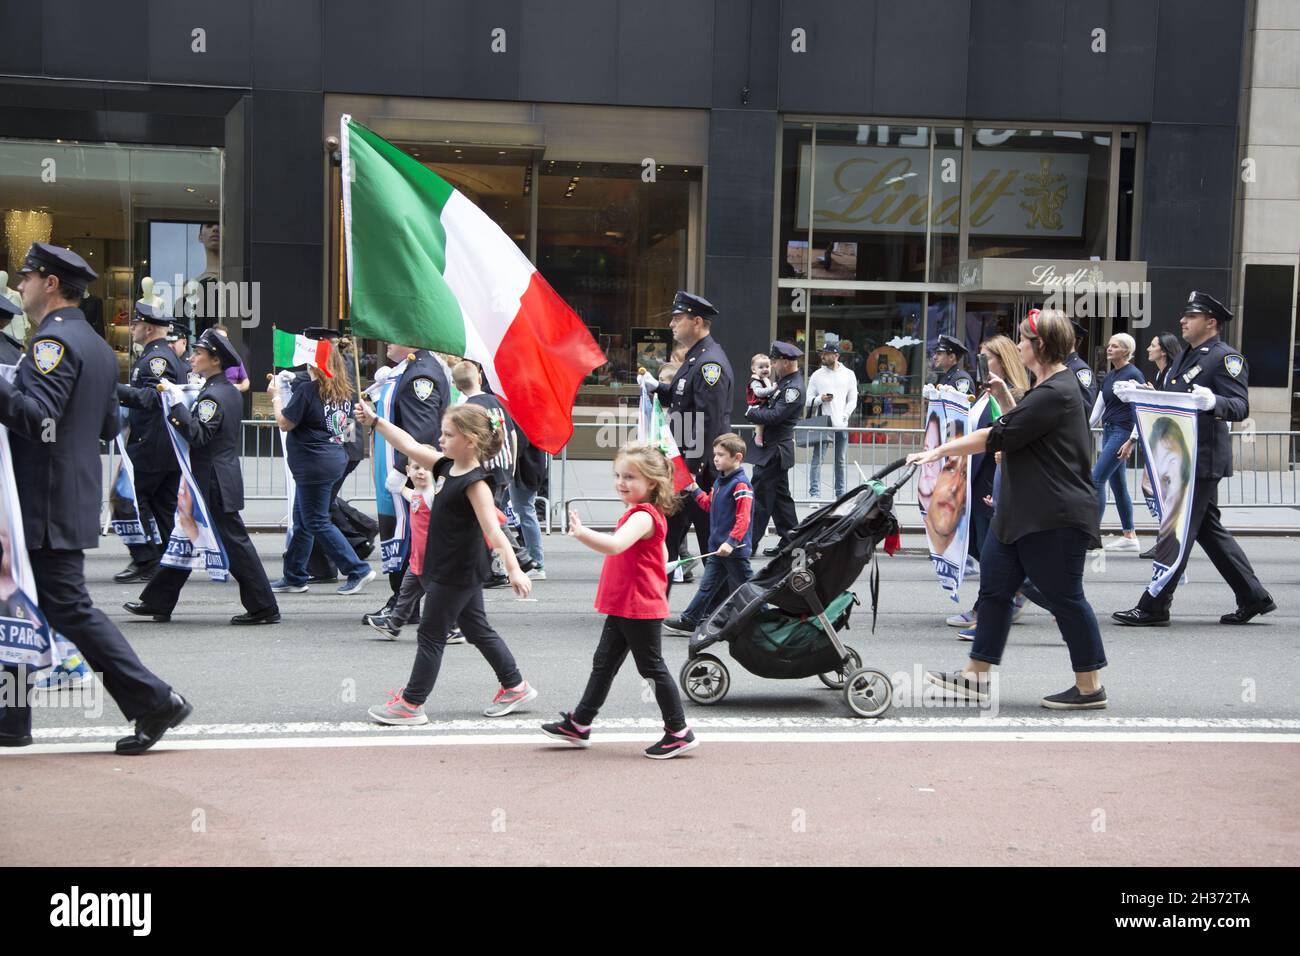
pixel 719 737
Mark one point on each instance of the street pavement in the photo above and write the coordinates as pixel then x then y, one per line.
pixel 1198 749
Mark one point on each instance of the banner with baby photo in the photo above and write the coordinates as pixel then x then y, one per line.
pixel 194 544
pixel 24 636
pixel 943 487
pixel 128 523
pixel 1167 428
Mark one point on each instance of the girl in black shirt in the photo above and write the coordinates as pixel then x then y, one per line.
pixel 1045 522
pixel 456 563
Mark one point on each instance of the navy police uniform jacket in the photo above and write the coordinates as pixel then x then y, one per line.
pixel 60 406
pixel 212 427
pixel 1087 380
pixel 423 394
pixel 959 379
pixel 778 420
pixel 1222 369
pixel 149 446
pixel 10 349
pixel 702 387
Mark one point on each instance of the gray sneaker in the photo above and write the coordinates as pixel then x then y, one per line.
pixel 353 585
pixel 508 700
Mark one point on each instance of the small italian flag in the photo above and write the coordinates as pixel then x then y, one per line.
pixel 652 427
pixel 291 350
pixel 427 268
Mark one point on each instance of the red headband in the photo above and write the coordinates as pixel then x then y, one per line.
pixel 1032 318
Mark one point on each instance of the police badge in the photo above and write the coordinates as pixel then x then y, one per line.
pixel 157 366
pixel 1085 377
pixel 423 388
pixel 47 353
pixel 205 410
pixel 791 396
pixel 712 372
pixel 1234 364
pixel 963 386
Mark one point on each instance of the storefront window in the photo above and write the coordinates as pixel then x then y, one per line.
pixel 130 212
pixel 945 203
pixel 1038 193
pixel 792 248
pixel 1127 205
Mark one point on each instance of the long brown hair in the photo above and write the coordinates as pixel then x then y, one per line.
pixel 482 431
pixel 654 467
pixel 339 388
pixel 1013 370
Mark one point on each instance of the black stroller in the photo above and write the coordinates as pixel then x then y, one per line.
pixel 784 623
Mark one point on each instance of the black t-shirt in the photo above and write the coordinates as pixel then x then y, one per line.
pixel 502 467
pixel 1046 463
pixel 455 552
pixel 315 445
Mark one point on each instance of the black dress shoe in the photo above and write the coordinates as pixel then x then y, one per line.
pixel 772 552
pixel 1136 617
pixel 270 615
pixel 1149 554
pixel 135 572
pixel 144 610
pixel 150 728
pixel 1253 609
pixel 15 740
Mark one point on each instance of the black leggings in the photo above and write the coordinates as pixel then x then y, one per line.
pixel 642 638
pixel 445 606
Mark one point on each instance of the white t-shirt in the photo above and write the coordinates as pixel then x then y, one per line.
pixel 842 385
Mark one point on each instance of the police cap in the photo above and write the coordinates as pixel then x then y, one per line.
pixel 319 332
pixel 785 350
pixel 47 260
pixel 1202 303
pixel 8 310
pixel 684 302
pixel 145 312
pixel 949 344
pixel 177 332
pixel 216 343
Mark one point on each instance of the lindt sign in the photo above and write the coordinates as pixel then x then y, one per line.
pixel 1046 277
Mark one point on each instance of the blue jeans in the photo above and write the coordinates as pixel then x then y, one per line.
pixel 1053 562
pixel 721 578
pixel 311 520
pixel 524 502
pixel 1112 470
pixel 841 439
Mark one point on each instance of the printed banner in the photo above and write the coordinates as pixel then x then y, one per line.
pixel 194 544
pixel 392 550
pixel 1167 427
pixel 128 523
pixel 290 487
pixel 24 637
pixel 943 487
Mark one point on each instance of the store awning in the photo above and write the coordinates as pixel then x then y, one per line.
pixel 1041 277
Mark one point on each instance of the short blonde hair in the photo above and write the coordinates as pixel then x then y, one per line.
pixel 465 376
pixel 1126 342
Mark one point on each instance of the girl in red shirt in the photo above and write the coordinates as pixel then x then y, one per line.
pixel 633 593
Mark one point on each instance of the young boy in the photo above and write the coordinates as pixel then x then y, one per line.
pixel 729 505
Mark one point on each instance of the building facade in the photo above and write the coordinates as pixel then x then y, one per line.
pixel 886 170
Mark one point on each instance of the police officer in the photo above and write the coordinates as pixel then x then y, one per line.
pixel 178 337
pixel 59 408
pixel 157 473
pixel 1217 375
pixel 10 347
pixel 947 360
pixel 1088 384
pixel 775 457
pixel 212 428
pixel 423 394
pixel 698 405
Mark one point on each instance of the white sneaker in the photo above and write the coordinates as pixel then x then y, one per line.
pixel 1123 544
pixel 537 574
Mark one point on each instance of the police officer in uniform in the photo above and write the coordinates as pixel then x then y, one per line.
pixel 423 394
pixel 178 337
pixel 1218 376
pixel 59 408
pixel 10 347
pixel 212 428
pixel 947 360
pixel 775 457
pixel 698 406
pixel 157 473
pixel 1088 384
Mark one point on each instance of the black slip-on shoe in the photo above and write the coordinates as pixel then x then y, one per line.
pixel 270 615
pixel 15 740
pixel 1137 617
pixel 1243 614
pixel 679 625
pixel 960 686
pixel 1075 699
pixel 136 572
pixel 140 609
pixel 150 729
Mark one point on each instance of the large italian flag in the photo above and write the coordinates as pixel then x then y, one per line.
pixel 427 268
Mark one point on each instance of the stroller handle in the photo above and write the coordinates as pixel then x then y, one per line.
pixel 892 467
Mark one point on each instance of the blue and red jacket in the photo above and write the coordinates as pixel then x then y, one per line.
pixel 730 506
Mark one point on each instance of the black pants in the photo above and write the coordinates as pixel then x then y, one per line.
pixel 690 514
pixel 319 564
pixel 446 606
pixel 65 602
pixel 1206 529
pixel 246 568
pixel 772 499
pixel 643 638
pixel 155 494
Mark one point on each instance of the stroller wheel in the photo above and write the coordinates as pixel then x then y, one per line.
pixel 705 680
pixel 868 692
pixel 835 679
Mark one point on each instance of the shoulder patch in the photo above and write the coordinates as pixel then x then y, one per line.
pixel 963 385
pixel 157 366
pixel 1234 364
pixel 423 388
pixel 47 354
pixel 792 395
pixel 205 410
pixel 712 373
pixel 1085 377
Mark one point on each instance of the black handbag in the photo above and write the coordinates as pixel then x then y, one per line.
pixel 809 431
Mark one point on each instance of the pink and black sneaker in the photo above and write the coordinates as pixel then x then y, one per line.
pixel 566 731
pixel 672 746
